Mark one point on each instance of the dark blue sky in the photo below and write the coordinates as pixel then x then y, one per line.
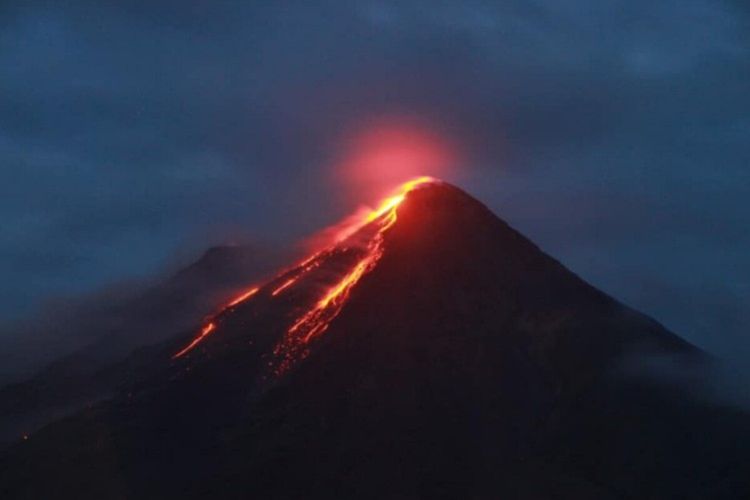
pixel 613 133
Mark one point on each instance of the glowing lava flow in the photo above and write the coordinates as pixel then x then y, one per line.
pixel 210 326
pixel 294 344
pixel 284 286
pixel 305 266
pixel 243 297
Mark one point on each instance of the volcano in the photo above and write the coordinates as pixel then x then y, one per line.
pixel 430 351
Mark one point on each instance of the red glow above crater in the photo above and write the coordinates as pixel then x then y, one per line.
pixel 387 151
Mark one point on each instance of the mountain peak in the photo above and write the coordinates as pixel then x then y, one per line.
pixel 445 213
pixel 443 248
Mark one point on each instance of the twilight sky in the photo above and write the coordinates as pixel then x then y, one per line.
pixel 614 133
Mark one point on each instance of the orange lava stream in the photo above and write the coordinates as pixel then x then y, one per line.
pixel 284 286
pixel 314 322
pixel 243 297
pixel 386 206
pixel 210 327
pixel 294 345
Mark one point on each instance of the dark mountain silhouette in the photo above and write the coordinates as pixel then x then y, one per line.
pixel 103 332
pixel 461 362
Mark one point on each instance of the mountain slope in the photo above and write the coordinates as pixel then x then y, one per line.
pixel 433 352
pixel 107 329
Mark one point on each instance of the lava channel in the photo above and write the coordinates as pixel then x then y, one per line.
pixel 294 345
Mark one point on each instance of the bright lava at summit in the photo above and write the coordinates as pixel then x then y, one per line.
pixel 293 345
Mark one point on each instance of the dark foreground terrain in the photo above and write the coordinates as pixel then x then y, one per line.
pixel 465 364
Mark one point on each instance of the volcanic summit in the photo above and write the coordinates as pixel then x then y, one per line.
pixel 430 351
